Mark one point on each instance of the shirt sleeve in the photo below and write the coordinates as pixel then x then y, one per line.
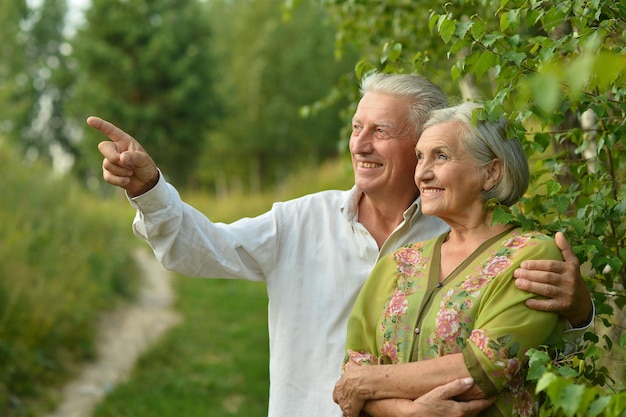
pixel 574 334
pixel 186 241
pixel 505 328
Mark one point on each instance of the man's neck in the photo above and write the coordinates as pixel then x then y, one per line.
pixel 381 216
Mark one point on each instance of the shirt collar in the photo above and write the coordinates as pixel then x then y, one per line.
pixel 350 207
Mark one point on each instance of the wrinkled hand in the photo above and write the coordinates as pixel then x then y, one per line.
pixel 126 164
pixel 348 393
pixel 560 282
pixel 440 402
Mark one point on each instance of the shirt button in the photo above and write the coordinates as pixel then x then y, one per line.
pixel 439 285
pixel 417 330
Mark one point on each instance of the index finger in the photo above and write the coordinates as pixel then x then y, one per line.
pixel 114 133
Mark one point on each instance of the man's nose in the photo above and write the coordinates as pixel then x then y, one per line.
pixel 362 143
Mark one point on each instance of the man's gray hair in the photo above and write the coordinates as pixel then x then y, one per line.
pixel 423 95
pixel 486 141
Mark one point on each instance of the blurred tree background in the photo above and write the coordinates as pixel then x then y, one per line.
pixel 147 65
pixel 216 93
pixel 214 90
pixel 270 67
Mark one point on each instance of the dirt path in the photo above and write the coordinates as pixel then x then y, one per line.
pixel 124 335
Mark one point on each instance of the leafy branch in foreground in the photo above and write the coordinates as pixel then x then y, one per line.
pixel 557 71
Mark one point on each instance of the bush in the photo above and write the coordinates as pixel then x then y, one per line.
pixel 64 259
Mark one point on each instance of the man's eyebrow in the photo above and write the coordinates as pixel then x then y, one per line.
pixel 377 124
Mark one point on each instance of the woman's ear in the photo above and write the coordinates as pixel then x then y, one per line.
pixel 493 172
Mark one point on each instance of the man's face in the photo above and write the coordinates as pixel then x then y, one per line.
pixel 382 146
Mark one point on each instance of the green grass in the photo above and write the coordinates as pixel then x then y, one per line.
pixel 214 364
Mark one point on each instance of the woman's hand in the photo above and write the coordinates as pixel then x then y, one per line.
pixel 441 401
pixel 349 392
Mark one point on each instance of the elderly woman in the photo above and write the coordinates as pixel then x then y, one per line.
pixel 447 308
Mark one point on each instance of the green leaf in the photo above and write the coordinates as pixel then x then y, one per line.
pixel 542 139
pixel 513 19
pixel 491 38
pixel 504 22
pixel 391 52
pixel 478 30
pixel 579 225
pixel 485 62
pixel 455 73
pixel 608 67
pixel 516 57
pixel 362 68
pixel 578 72
pixel 432 22
pixel 552 19
pixel 546 381
pixel 552 187
pixel 546 88
pixel 537 356
pixel 556 393
pixel 598 406
pixel 462 28
pixel 533 16
pixel 617 404
pixel 571 397
pixel 594 352
pixel 536 371
pixel 446 30
pixel 566 371
pixel 591 337
pixel 458 45
pixel 561 203
pixel 510 19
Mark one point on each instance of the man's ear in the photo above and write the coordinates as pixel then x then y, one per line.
pixel 493 172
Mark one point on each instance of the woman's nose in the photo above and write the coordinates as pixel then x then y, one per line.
pixel 423 171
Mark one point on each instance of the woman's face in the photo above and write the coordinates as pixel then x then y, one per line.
pixel 449 180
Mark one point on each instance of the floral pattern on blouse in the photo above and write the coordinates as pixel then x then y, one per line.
pixel 455 308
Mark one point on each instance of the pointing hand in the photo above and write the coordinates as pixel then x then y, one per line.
pixel 126 164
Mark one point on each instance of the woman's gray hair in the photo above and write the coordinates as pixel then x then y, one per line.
pixel 486 141
pixel 423 95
